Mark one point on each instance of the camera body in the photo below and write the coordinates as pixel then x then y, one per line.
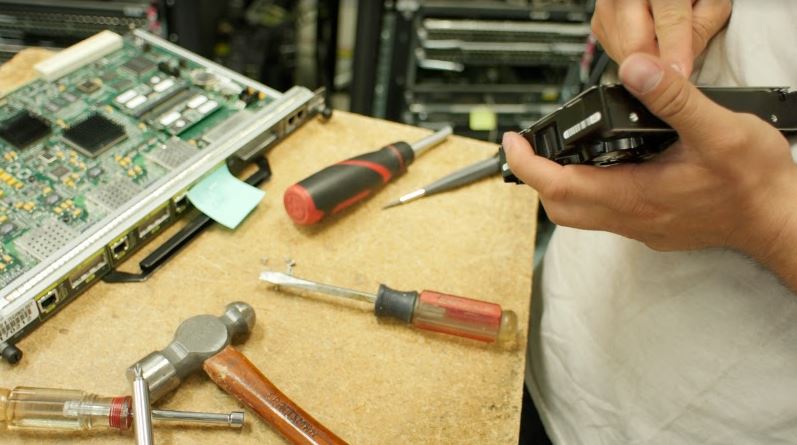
pixel 607 125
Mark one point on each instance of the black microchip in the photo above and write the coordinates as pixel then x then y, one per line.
pixel 59 172
pixel 24 129
pixel 88 86
pixel 94 135
pixel 47 157
pixel 139 65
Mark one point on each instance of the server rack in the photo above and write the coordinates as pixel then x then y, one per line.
pixel 484 67
pixel 56 25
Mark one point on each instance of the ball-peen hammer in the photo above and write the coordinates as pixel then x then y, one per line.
pixel 203 342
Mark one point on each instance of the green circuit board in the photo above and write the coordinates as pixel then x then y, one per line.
pixel 75 149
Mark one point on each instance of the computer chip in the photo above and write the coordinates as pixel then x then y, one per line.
pixel 24 129
pixel 122 84
pixel 47 157
pixel 88 86
pixel 94 135
pixel 139 65
pixel 59 172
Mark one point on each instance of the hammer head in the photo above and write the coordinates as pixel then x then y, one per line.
pixel 196 340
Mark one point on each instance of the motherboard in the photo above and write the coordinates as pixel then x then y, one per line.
pixel 102 127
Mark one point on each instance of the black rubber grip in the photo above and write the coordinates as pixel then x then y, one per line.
pixel 345 183
pixel 506 173
pixel 395 304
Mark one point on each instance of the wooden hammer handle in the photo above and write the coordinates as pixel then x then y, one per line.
pixel 234 373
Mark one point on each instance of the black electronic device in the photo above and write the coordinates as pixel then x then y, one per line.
pixel 606 125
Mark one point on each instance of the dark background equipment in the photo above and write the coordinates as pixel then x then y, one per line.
pixel 438 62
pixel 58 24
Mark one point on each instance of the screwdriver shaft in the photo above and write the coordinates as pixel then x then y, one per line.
pixel 430 141
pixel 466 175
pixel 141 407
pixel 411 196
pixel 285 280
pixel 234 419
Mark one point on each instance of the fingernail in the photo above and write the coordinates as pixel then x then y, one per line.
pixel 678 67
pixel 640 74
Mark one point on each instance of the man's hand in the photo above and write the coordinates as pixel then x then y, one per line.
pixel 676 30
pixel 729 181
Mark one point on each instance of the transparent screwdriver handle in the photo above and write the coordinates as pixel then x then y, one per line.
pixel 64 409
pixel 464 317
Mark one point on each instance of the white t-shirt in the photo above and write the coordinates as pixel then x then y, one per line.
pixel 630 345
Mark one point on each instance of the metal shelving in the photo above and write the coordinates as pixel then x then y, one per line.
pixel 440 61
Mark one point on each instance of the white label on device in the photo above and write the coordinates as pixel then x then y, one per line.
pixel 208 107
pixel 197 101
pixel 18 320
pixel 163 86
pixel 126 96
pixel 133 103
pixel 169 118
pixel 593 119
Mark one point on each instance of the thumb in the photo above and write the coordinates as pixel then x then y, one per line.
pixel 670 96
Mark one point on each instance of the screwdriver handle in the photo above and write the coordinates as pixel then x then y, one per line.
pixel 449 314
pixel 346 183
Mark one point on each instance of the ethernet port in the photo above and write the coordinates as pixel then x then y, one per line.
pixel 89 271
pixel 154 222
pixel 181 203
pixel 48 301
pixel 120 247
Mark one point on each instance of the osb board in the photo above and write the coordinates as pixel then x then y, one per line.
pixel 370 382
pixel 18 72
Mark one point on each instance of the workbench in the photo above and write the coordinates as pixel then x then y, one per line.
pixel 369 381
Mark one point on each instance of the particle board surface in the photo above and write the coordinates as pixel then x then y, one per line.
pixel 369 381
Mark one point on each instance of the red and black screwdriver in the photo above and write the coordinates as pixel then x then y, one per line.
pixel 348 182
pixel 429 310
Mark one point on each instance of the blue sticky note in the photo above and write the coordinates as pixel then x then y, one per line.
pixel 224 198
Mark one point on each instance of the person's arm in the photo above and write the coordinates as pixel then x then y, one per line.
pixel 676 30
pixel 729 181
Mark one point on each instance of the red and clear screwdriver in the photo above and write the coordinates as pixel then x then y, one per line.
pixel 70 409
pixel 429 310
